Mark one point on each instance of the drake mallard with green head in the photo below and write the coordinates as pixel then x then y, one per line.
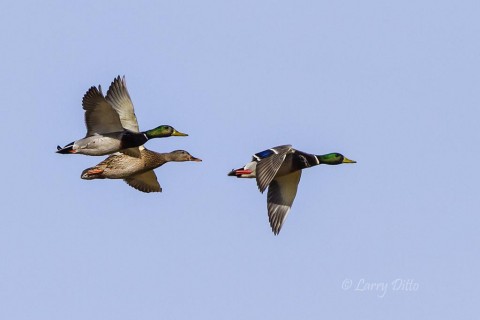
pixel 279 169
pixel 137 172
pixel 112 125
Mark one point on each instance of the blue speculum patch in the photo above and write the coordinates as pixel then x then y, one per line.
pixel 264 154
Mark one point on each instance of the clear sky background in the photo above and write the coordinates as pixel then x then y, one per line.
pixel 393 85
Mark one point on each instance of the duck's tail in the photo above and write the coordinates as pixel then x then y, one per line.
pixel 66 150
pixel 92 173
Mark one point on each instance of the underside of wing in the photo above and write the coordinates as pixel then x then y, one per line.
pixel 100 117
pixel 118 97
pixel 145 182
pixel 281 193
pixel 268 167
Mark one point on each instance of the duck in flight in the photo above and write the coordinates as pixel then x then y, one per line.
pixel 279 169
pixel 112 125
pixel 137 172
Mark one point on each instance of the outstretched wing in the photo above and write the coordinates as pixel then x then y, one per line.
pixel 281 193
pixel 269 162
pixel 100 117
pixel 118 97
pixel 145 182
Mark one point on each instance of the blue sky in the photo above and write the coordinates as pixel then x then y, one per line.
pixel 394 86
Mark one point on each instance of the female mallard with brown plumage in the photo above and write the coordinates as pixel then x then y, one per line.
pixel 137 172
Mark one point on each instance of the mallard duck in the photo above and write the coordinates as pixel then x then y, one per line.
pixel 137 172
pixel 280 169
pixel 112 125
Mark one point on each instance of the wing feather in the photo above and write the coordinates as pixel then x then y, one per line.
pixel 268 167
pixel 281 193
pixel 100 117
pixel 118 97
pixel 145 182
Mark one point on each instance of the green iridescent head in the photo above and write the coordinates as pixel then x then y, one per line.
pixel 164 131
pixel 334 158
